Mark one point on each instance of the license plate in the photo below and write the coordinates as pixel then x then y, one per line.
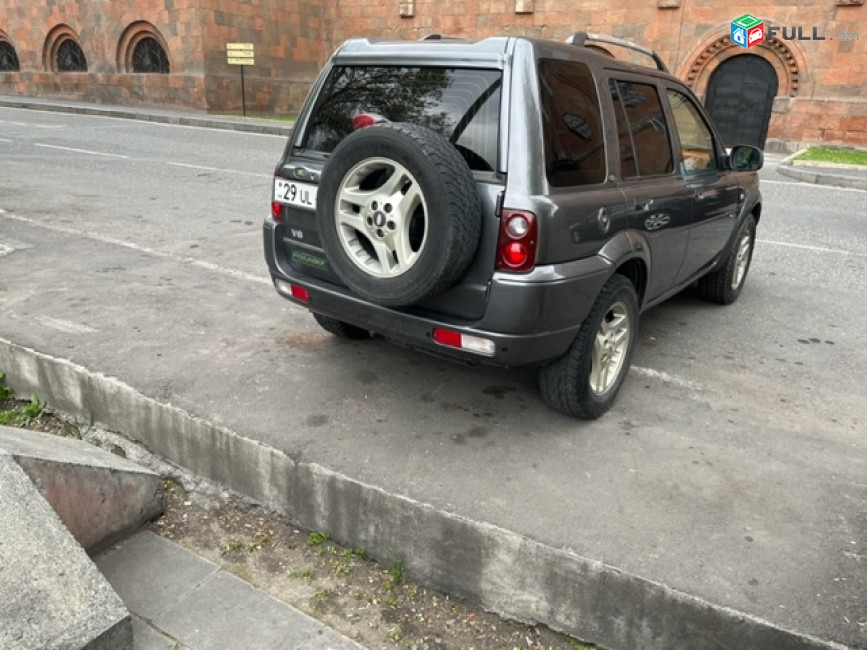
pixel 302 195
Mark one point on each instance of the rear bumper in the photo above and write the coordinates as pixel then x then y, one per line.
pixel 530 318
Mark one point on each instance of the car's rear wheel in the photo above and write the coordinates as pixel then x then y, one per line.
pixel 585 381
pixel 399 213
pixel 340 329
pixel 724 285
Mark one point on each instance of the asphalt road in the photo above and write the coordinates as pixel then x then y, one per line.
pixel 733 467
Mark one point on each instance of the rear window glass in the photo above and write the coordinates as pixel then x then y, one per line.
pixel 463 105
pixel 641 129
pixel 574 142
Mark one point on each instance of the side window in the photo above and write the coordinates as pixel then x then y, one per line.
pixel 642 132
pixel 696 141
pixel 574 142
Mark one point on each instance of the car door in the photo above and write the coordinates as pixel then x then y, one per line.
pixel 585 208
pixel 716 195
pixel 658 203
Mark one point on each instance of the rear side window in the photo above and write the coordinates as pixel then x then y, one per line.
pixel 463 105
pixel 642 131
pixel 572 121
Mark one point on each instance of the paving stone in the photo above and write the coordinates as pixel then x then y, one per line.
pixel 226 612
pixel 152 574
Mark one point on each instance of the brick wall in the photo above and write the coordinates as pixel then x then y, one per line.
pixel 290 47
pixel 99 26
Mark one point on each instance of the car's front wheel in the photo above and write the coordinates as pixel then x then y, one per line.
pixel 585 381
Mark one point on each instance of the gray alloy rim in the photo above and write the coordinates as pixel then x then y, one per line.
pixel 742 260
pixel 383 230
pixel 609 348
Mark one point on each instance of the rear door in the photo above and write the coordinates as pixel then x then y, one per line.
pixel 580 208
pixel 658 201
pixel 716 196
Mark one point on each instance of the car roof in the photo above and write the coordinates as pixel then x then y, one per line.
pixel 437 50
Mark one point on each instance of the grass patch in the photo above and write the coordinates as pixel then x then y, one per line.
pixel 14 413
pixel 839 156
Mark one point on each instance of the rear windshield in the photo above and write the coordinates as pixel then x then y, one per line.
pixel 463 105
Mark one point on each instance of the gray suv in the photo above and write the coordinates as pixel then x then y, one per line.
pixel 508 201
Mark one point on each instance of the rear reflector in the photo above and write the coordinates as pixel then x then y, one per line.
pixel 289 289
pixel 299 293
pixel 455 339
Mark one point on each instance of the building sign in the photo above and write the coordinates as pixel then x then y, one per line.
pixel 240 54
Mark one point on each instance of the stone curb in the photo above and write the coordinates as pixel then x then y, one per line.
pixel 507 573
pixel 822 178
pixel 247 126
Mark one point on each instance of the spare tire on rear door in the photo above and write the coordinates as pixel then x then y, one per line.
pixel 399 213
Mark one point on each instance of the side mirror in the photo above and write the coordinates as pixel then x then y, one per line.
pixel 746 158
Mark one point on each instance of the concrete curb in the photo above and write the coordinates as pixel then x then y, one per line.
pixel 204 121
pixel 507 573
pixel 807 175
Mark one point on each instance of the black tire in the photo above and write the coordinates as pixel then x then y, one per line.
pixel 377 174
pixel 724 285
pixel 340 329
pixel 567 384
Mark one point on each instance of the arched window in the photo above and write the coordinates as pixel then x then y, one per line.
pixel 62 51
pixel 70 57
pixel 8 57
pixel 142 49
pixel 149 56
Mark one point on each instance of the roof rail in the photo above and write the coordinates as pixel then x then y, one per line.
pixel 580 38
pixel 441 37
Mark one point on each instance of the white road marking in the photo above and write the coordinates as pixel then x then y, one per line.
pixel 5 250
pixel 680 382
pixel 202 264
pixel 815 249
pixel 67 326
pixel 805 184
pixel 218 169
pixel 92 153
pixel 5 140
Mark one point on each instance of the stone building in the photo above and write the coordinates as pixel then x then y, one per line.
pixel 804 82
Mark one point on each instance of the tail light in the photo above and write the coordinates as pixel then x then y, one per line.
pixel 517 242
pixel 276 211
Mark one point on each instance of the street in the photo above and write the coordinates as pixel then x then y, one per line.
pixel 733 466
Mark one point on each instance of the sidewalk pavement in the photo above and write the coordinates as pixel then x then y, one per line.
pixel 179 600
